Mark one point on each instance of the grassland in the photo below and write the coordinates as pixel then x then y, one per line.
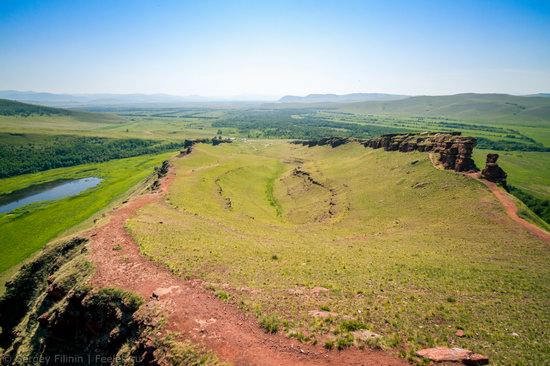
pixel 374 241
pixel 26 230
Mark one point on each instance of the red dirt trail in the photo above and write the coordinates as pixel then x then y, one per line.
pixel 193 311
pixel 512 210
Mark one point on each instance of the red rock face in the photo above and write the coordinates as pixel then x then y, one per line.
pixel 453 355
pixel 492 171
pixel 455 151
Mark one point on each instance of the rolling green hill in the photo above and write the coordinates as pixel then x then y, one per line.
pixel 12 108
pixel 323 242
pixel 475 107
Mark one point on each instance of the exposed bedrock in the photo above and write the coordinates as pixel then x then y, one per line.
pixel 455 151
pixel 492 172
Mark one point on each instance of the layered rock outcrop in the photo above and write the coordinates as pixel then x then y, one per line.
pixel 455 151
pixel 492 171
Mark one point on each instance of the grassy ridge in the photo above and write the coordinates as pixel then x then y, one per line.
pixel 379 249
pixel 29 228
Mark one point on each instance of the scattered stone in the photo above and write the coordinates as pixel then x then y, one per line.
pixel 44 319
pixel 493 172
pixel 55 292
pixel 322 314
pixel 416 161
pixel 162 291
pixel 514 334
pixel 459 333
pixel 421 185
pixel 319 290
pixel 456 355
pixel 364 335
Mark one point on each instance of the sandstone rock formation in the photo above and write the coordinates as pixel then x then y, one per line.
pixel 492 171
pixel 455 151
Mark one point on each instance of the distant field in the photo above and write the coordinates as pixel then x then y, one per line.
pixel 374 241
pixel 29 228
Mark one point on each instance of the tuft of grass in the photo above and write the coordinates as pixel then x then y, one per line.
pixel 270 323
pixel 344 341
pixel 329 344
pixel 352 325
pixel 222 295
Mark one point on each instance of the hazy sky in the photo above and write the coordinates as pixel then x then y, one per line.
pixel 221 48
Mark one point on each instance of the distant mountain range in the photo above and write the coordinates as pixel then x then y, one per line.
pixel 544 95
pixel 80 100
pixel 113 100
pixel 345 98
pixel 468 106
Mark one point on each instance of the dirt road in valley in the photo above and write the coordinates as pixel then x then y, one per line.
pixel 512 210
pixel 193 311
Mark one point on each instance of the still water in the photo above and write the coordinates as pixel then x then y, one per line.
pixel 46 192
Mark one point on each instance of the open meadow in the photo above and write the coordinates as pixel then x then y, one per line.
pixel 320 243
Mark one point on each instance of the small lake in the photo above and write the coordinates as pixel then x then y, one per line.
pixel 46 192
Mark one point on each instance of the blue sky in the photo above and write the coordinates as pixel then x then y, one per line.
pixel 221 48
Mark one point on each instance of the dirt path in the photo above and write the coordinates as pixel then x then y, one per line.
pixel 511 209
pixel 194 312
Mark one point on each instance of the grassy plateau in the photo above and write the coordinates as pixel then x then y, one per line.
pixel 363 236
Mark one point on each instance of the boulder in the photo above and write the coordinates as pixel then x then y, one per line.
pixel 453 355
pixel 492 171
